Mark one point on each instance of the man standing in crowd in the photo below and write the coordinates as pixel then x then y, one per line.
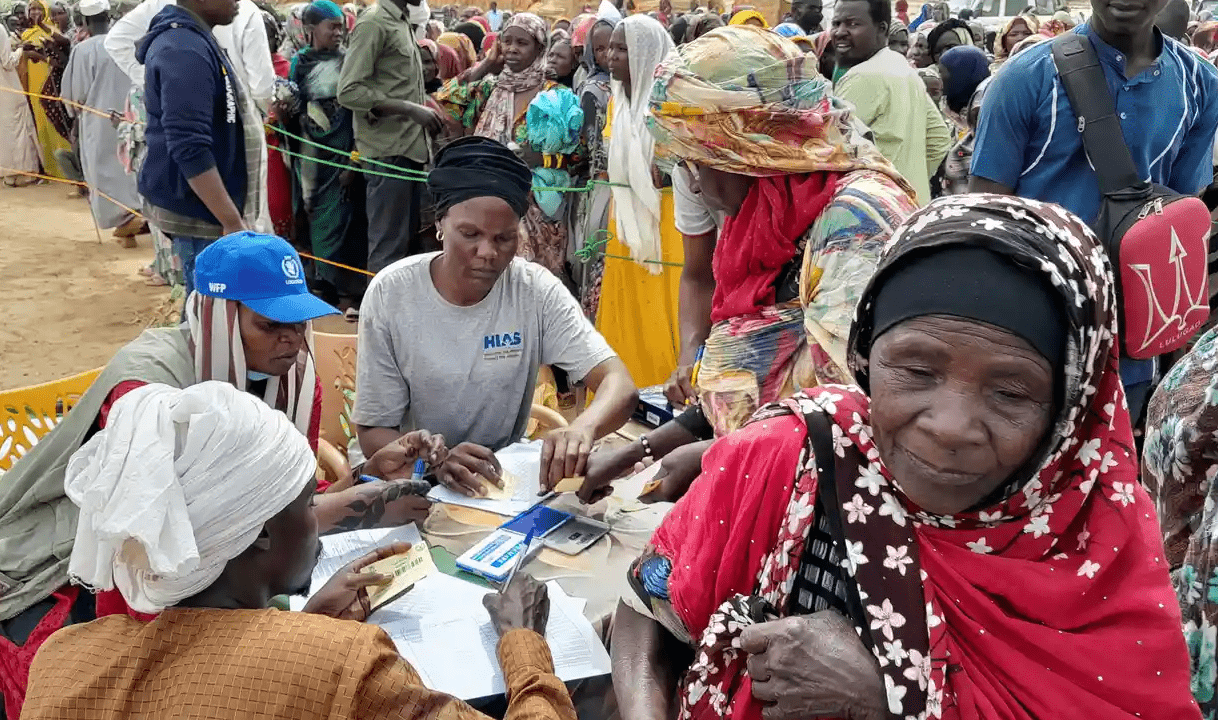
pixel 382 84
pixel 887 93
pixel 230 524
pixel 200 178
pixel 243 40
pixel 494 17
pixel 92 78
pixel 807 14
pixel 1028 143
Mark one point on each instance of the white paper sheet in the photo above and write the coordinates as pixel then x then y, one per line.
pixel 441 627
pixel 447 635
pixel 522 459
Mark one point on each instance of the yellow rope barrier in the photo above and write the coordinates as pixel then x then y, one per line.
pixel 353 155
pixel 140 215
pixel 86 108
pixel 71 182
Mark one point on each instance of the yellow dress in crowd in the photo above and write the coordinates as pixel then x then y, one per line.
pixel 36 75
pixel 638 310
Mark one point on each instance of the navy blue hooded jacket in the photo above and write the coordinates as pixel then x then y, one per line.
pixel 194 121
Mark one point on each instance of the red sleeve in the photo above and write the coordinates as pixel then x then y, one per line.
pixel 315 418
pixel 315 434
pixel 733 510
pixel 119 390
pixel 111 602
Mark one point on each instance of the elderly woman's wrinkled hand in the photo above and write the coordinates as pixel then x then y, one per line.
pixel 523 604
pixel 813 666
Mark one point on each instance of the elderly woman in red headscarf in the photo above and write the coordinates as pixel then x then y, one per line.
pixel 961 535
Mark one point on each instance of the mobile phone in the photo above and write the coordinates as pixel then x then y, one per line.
pixel 546 519
pixel 576 536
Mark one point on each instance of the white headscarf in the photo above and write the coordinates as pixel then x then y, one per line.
pixel 608 11
pixel 177 484
pixel 632 146
pixel 219 353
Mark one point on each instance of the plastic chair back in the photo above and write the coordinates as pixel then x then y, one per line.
pixel 29 413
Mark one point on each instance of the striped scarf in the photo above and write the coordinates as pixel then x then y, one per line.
pixel 219 354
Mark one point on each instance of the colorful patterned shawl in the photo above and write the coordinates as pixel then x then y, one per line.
pixel 748 101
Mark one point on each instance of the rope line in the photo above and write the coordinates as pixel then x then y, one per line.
pixel 596 241
pixel 14 171
pixel 140 215
pixel 86 108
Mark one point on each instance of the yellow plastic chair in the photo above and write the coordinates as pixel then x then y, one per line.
pixel 335 357
pixel 29 413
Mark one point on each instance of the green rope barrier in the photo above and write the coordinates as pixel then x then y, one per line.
pixel 648 262
pixel 595 244
pixel 416 175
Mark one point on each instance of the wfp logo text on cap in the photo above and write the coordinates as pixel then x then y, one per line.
pixel 291 270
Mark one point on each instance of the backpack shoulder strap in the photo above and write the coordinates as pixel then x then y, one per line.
pixel 1081 74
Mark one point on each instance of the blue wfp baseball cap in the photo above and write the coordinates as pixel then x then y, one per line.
pixel 262 272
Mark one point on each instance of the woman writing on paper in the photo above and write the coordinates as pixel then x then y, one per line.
pixel 464 362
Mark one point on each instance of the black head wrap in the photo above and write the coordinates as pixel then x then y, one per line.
pixel 1026 238
pixel 976 284
pixel 471 30
pixel 479 167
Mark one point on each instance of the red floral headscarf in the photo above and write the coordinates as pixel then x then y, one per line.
pixel 1053 601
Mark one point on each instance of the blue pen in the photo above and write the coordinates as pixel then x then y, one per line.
pixel 524 556
pixel 418 486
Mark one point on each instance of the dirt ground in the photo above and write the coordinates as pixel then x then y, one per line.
pixel 69 302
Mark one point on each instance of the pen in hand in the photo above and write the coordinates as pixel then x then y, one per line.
pixel 524 556
pixel 416 484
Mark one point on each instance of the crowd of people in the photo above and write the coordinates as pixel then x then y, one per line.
pixel 916 472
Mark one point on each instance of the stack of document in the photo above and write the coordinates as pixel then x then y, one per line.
pixel 523 459
pixel 441 627
pixel 444 631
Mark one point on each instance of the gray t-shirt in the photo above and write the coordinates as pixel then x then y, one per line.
pixel 466 372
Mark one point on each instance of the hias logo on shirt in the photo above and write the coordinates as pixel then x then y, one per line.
pixel 502 346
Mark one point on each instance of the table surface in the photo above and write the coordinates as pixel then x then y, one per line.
pixel 597 574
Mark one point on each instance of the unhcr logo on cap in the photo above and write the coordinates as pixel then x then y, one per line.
pixel 291 269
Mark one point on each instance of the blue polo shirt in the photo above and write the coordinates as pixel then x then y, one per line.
pixel 1028 138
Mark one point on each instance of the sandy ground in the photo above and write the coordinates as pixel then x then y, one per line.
pixel 68 301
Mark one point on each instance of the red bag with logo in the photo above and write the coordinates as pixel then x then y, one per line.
pixel 1156 238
